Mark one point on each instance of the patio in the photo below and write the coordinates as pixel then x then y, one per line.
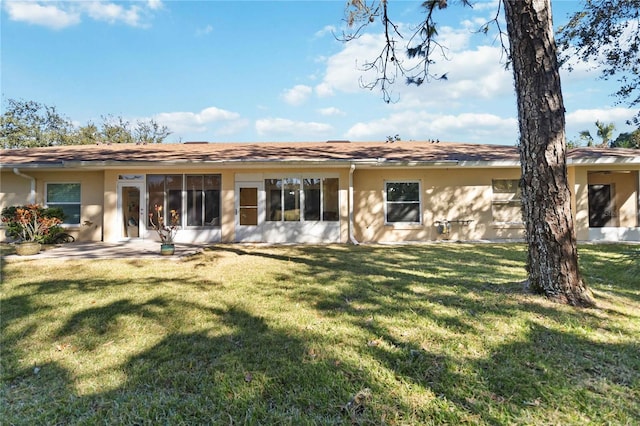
pixel 137 249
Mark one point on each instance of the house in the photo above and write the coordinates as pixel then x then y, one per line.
pixel 333 192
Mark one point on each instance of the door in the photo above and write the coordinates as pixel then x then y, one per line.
pixel 249 211
pixel 600 206
pixel 131 213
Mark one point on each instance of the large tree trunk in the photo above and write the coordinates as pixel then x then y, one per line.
pixel 553 256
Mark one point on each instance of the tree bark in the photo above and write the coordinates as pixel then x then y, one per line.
pixel 552 257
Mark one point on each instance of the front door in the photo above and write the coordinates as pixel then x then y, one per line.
pixel 131 213
pixel 249 211
pixel 600 206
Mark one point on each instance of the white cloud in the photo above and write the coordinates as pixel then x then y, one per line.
pixel 331 111
pixel 490 5
pixel 342 70
pixel 279 127
pixel 155 4
pixel 423 125
pixel 113 13
pixel 589 116
pixel 297 95
pixel 328 29
pixel 179 122
pixel 584 119
pixel 59 15
pixel 471 72
pixel 50 16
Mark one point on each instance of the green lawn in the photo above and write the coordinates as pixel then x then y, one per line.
pixel 433 334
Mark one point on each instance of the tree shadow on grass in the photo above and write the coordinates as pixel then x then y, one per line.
pixel 252 374
pixel 376 282
pixel 241 368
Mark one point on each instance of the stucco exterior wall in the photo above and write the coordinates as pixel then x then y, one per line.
pixel 15 190
pixel 455 193
pixel 625 183
pixel 448 193
pixel 625 187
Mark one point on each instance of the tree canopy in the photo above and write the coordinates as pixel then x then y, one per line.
pixel 606 33
pixel 28 124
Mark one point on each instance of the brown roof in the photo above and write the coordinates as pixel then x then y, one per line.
pixel 335 152
pixel 261 152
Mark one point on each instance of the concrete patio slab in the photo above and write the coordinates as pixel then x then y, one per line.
pixel 132 249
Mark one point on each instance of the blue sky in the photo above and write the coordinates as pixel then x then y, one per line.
pixel 245 71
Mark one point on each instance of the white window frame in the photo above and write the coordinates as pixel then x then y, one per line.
pixel 419 201
pixel 53 204
pixel 301 178
pixel 184 204
pixel 504 199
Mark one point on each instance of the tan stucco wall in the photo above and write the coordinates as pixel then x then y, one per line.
pixel 452 194
pixel 15 190
pixel 625 183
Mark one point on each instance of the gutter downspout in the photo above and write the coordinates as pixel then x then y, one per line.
pixel 351 237
pixel 32 193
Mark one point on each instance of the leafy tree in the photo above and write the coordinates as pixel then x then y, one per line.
pixel 604 132
pixel 88 134
pixel 552 255
pixel 115 130
pixel 585 136
pixel 26 124
pixel 150 132
pixel 607 32
pixel 627 140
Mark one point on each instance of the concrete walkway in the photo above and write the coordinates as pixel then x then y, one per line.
pixel 132 249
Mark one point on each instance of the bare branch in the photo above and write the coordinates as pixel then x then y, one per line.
pixel 388 65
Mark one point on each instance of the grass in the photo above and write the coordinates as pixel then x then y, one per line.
pixel 434 334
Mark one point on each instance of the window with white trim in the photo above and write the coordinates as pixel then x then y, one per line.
pixel 506 202
pixel 196 198
pixel 298 199
pixel 65 196
pixel 402 202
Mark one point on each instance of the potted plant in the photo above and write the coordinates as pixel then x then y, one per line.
pixel 166 232
pixel 30 224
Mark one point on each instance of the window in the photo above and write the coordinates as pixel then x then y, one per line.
pixel 196 198
pixel 291 198
pixel 296 199
pixel 65 196
pixel 165 191
pixel 330 199
pixel 402 202
pixel 506 203
pixel 311 187
pixel 203 200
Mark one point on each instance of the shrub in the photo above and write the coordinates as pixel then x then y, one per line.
pixel 32 222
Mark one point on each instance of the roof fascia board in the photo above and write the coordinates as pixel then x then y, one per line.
pixel 604 161
pixel 490 164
